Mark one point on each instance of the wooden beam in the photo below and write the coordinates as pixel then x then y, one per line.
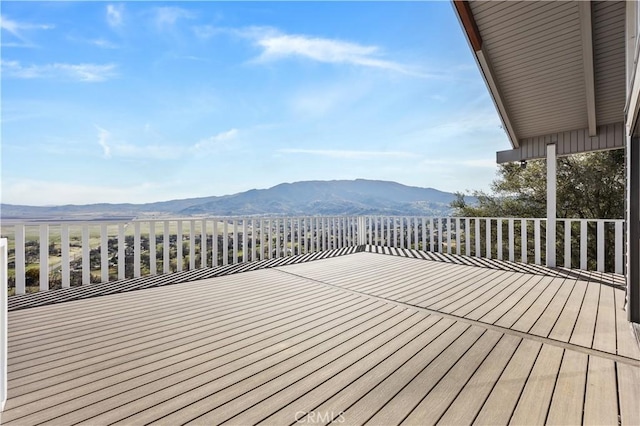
pixel 587 57
pixel 468 23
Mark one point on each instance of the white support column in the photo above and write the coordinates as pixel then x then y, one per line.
pixel 633 229
pixel 551 205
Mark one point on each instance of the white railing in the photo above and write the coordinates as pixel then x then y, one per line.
pixel 62 254
pixel 4 333
pixel 513 239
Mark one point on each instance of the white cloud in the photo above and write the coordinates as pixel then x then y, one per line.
pixel 105 44
pixel 79 72
pixel 166 17
pixel 277 46
pixel 121 149
pixel 115 15
pixel 350 155
pixel 17 30
pixel 103 141
pixel 215 141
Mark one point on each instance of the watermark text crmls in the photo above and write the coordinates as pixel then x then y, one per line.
pixel 319 417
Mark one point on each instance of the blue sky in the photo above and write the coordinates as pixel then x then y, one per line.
pixel 145 101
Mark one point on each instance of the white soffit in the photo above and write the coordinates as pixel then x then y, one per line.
pixel 535 51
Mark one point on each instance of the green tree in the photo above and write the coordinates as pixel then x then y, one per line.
pixel 589 186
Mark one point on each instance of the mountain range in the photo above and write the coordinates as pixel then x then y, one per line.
pixel 336 197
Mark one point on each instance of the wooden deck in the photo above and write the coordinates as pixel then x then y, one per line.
pixel 359 338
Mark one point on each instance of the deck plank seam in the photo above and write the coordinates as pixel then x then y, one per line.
pixel 553 342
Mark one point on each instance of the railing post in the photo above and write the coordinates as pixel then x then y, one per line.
pixel 551 206
pixel 458 248
pixel 431 235
pixel 4 319
pixel 235 241
pixel 245 247
pixel 439 235
pixel 449 230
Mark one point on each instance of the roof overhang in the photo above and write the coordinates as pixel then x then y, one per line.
pixel 555 71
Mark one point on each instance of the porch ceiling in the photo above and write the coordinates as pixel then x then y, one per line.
pixel 551 67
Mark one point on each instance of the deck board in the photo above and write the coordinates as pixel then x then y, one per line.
pixel 359 338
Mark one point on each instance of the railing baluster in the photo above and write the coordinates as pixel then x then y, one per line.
pixel 523 241
pixel 225 242
pixel 618 247
pixel 512 256
pixel 245 247
pixel 235 241
pixel 179 254
pixel 86 262
pixel 583 244
pixel 203 244
pixel 166 248
pixel 432 232
pixel 449 235
pixel 262 238
pixel 153 258
pixel 478 245
pixel 104 254
pixel 600 245
pixel 20 259
pixel 192 245
pixel 214 244
pixel 137 249
pixel 499 238
pixel 458 248
pixel 536 240
pixel 44 257
pixel 487 232
pixel 121 255
pixel 64 248
pixel 439 235
pixel 567 243
pixel 467 236
pixel 402 241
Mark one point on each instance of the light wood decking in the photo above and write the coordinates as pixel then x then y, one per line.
pixel 361 338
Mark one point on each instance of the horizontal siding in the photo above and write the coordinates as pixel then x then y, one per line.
pixel 610 136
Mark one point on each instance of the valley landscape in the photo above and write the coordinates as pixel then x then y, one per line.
pixel 336 197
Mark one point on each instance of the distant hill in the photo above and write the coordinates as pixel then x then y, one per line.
pixel 337 197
